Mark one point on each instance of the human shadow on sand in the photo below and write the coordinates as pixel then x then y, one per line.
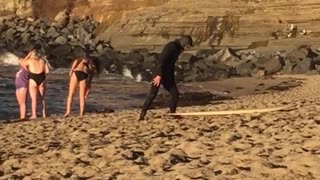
pixel 191 99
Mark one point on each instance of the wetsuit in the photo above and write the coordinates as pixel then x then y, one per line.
pixel 165 69
pixel 22 79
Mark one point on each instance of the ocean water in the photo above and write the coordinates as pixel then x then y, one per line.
pixel 108 91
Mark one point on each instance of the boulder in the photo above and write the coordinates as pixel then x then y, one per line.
pixel 188 58
pixel 303 66
pixel 226 55
pixel 52 32
pixel 62 50
pixel 297 54
pixel 245 69
pixel 133 58
pixel 273 65
pixel 143 51
pixel 221 74
pixel 61 40
pixel 288 66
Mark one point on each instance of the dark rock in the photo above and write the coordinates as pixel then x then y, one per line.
pixel 3 27
pixel 11 24
pixel 65 31
pixel 288 67
pixel 133 58
pixel 62 50
pixel 220 66
pixel 297 55
pixel 143 51
pixel 191 78
pixel 227 55
pixel 273 65
pixel 187 57
pixel 52 32
pixel 25 37
pixel 61 40
pixel 78 52
pixel 221 74
pixel 81 33
pixel 303 66
pixel 245 69
pixel 21 29
pixel 100 48
pixel 201 65
pixel 10 34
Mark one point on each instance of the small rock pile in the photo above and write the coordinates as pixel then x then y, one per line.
pixel 221 64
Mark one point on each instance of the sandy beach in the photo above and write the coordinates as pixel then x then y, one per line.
pixel 274 145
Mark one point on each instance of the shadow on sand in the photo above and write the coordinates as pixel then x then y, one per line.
pixel 191 99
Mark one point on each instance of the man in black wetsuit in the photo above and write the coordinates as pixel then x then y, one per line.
pixel 164 73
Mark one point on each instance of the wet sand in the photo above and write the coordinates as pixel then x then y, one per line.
pixel 273 145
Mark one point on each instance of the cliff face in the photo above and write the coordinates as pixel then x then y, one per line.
pixel 153 22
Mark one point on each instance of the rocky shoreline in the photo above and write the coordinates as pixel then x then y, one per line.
pixel 64 41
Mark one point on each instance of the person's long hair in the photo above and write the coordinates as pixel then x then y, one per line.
pixel 97 64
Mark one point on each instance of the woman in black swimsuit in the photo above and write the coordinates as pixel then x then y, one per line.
pixel 38 68
pixel 81 74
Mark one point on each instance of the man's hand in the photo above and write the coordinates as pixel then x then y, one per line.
pixel 70 72
pixel 156 81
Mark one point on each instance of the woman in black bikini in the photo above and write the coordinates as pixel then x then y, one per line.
pixel 81 74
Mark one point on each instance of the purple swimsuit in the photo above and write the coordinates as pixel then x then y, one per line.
pixel 22 78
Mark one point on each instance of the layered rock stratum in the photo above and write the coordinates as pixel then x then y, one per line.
pixel 153 22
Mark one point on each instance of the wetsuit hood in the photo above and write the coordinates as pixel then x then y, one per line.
pixel 185 41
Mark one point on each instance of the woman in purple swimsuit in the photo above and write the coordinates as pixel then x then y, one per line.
pixel 21 82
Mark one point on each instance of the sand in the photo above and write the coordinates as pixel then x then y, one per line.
pixel 273 145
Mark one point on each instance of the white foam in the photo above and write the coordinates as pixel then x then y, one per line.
pixel 8 58
pixel 127 72
pixel 139 78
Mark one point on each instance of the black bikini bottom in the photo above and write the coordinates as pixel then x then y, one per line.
pixel 38 78
pixel 80 75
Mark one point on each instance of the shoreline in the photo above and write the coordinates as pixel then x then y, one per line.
pixel 117 94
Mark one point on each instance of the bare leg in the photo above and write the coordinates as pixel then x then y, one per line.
pixel 72 87
pixel 33 90
pixel 42 91
pixel 82 96
pixel 21 97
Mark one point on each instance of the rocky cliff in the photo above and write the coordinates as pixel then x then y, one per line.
pixel 150 23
